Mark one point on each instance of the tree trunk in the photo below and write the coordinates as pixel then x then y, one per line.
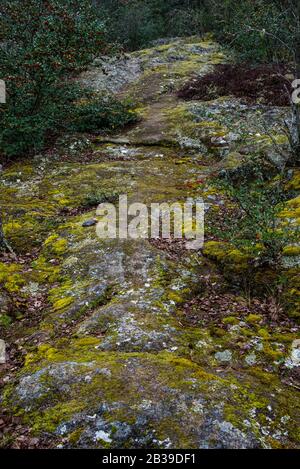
pixel 4 246
pixel 2 240
pixel 295 126
pixel 297 111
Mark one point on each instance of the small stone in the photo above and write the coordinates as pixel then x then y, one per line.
pixel 101 435
pixel 285 419
pixel 294 358
pixel 90 222
pixel 225 356
pixel 250 359
pixel 218 141
pixel 232 137
pixel 2 352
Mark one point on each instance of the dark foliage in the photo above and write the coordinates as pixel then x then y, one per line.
pixel 265 84
pixel 42 46
pixel 102 114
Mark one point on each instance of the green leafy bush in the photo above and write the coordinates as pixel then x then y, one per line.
pixel 254 224
pixel 24 129
pixel 260 31
pixel 97 197
pixel 42 44
pixel 135 23
pixel 103 113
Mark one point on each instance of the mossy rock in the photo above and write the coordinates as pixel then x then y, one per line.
pixel 127 400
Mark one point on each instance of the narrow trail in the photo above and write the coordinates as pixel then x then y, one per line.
pixel 116 362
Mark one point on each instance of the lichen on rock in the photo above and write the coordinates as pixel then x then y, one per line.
pixel 115 359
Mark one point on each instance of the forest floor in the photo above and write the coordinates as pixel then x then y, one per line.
pixel 143 343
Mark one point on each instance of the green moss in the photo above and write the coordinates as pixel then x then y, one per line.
pixel 232 320
pixel 57 245
pixel 135 376
pixel 46 272
pixel 263 376
pixel 49 419
pixel 290 216
pixel 175 296
pixel 238 398
pixel 11 277
pixel 62 303
pixel 253 318
pixel 292 299
pixel 217 332
pixel 44 352
pixel 291 251
pixel 295 182
pixel 230 258
pixel 246 332
pixel 264 333
pixel 273 354
pixel 234 160
pixel 74 436
pixel 216 250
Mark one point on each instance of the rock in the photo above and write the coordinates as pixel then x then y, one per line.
pixel 250 359
pixel 36 386
pixel 90 222
pixel 192 143
pixel 232 137
pixel 4 302
pixel 101 435
pixel 114 365
pixel 130 405
pixel 277 159
pixel 224 357
pixel 294 358
pixel 290 262
pixel 111 74
pixel 2 352
pixel 218 141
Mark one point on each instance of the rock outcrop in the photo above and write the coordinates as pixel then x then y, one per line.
pixel 112 362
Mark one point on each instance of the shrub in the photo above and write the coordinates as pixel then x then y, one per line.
pixel 42 43
pixel 260 31
pixel 24 130
pixel 103 113
pixel 97 197
pixel 135 23
pixel 254 225
pixel 265 84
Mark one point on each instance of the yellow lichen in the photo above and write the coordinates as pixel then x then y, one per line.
pixel 10 277
pixel 56 244
pixel 62 303
pixel 253 318
pixel 291 251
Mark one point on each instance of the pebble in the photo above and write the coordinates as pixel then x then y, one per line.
pixel 101 435
pixel 294 358
pixel 250 359
pixel 225 356
pixel 2 352
pixel 90 222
